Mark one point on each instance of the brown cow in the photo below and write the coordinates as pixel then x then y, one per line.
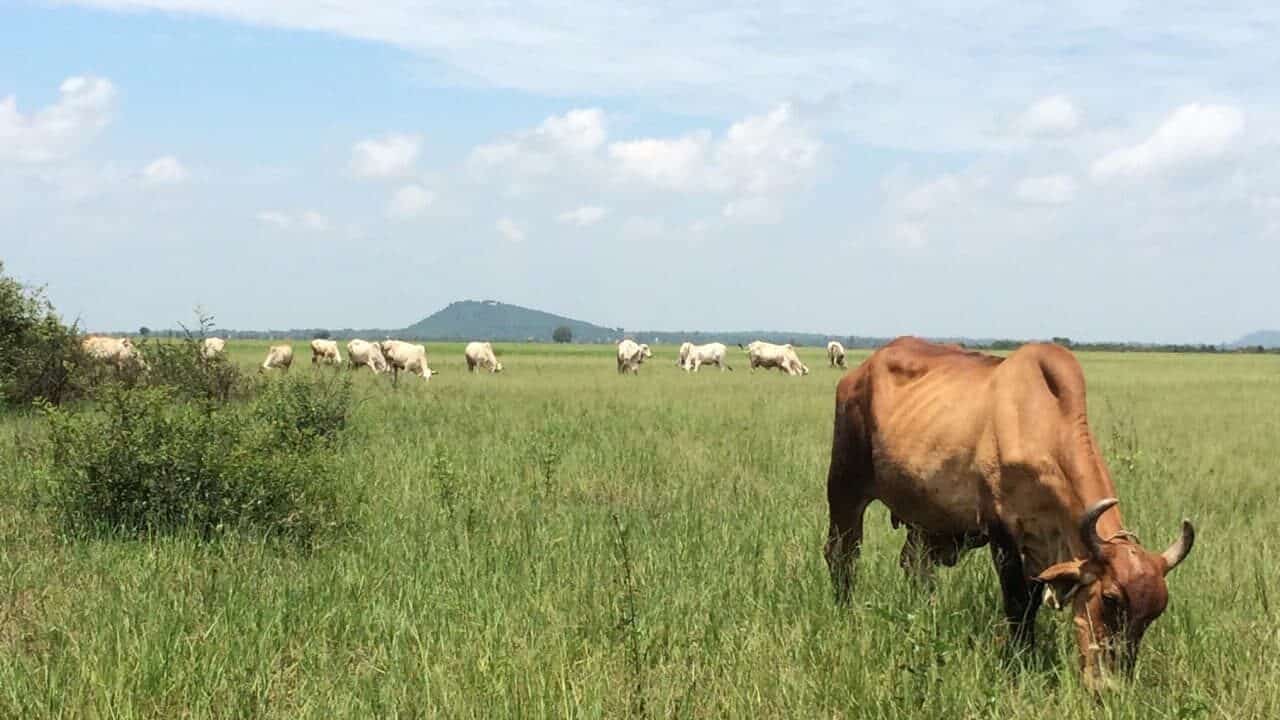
pixel 968 449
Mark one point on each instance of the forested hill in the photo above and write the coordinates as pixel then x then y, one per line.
pixel 1261 338
pixel 492 320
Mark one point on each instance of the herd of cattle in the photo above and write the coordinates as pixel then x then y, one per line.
pixel 965 449
pixel 396 355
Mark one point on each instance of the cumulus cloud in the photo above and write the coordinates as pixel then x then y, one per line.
pixel 409 202
pixel 941 192
pixel 676 164
pixel 510 230
pixel 164 170
pixel 82 110
pixel 757 155
pixel 768 152
pixel 309 220
pixel 388 156
pixel 583 216
pixel 1053 115
pixel 560 141
pixel 752 210
pixel 1192 134
pixel 1046 190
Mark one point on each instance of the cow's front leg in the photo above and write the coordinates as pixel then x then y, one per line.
pixel 1021 595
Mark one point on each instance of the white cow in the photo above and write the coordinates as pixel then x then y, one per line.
pixel 325 352
pixel 835 354
pixel 213 347
pixel 480 355
pixel 693 356
pixel 362 353
pixel 631 355
pixel 118 352
pixel 406 356
pixel 278 356
pixel 768 355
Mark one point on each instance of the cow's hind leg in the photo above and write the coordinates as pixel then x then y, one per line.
pixel 1021 595
pixel 844 540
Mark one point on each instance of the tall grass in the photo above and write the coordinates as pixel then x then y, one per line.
pixel 487 578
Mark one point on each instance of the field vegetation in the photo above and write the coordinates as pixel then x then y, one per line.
pixel 561 541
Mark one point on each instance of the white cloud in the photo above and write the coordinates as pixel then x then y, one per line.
pixel 275 218
pixel 908 235
pixel 82 110
pixel 1046 190
pixel 164 170
pixel 758 155
pixel 409 202
pixel 768 152
pixel 677 164
pixel 752 210
pixel 583 216
pixel 944 191
pixel 1053 115
pixel 389 156
pixel 1191 134
pixel 510 230
pixel 312 220
pixel 560 141
pixel 305 220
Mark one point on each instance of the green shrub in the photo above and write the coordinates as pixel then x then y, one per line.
pixel 143 462
pixel 181 365
pixel 302 412
pixel 39 354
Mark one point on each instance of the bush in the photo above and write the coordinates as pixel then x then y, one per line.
pixel 39 354
pixel 143 463
pixel 181 365
pixel 562 334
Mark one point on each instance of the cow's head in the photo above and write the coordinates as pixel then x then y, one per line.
pixel 1115 593
pixel 645 352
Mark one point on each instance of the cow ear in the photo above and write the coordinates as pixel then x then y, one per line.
pixel 1061 582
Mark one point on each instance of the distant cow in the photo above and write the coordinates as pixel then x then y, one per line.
pixel 693 356
pixel 480 355
pixel 362 353
pixel 325 352
pixel 631 355
pixel 278 356
pixel 118 352
pixel 213 347
pixel 768 355
pixel 405 356
pixel 835 354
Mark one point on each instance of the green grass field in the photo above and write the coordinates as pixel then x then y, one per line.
pixel 487 577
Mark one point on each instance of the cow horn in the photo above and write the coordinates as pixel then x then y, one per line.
pixel 1089 525
pixel 1178 551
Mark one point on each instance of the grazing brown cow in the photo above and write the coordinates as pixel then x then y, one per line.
pixel 968 449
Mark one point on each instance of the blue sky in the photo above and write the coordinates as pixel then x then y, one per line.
pixel 1011 170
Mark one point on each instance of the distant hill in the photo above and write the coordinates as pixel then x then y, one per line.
pixel 493 320
pixel 1265 338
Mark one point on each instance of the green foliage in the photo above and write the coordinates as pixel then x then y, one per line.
pixel 562 334
pixel 144 462
pixel 182 366
pixel 39 354
pixel 300 412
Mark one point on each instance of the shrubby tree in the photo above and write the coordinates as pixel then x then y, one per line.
pixel 38 352
pixel 562 334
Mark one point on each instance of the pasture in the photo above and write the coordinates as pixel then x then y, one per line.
pixel 560 541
